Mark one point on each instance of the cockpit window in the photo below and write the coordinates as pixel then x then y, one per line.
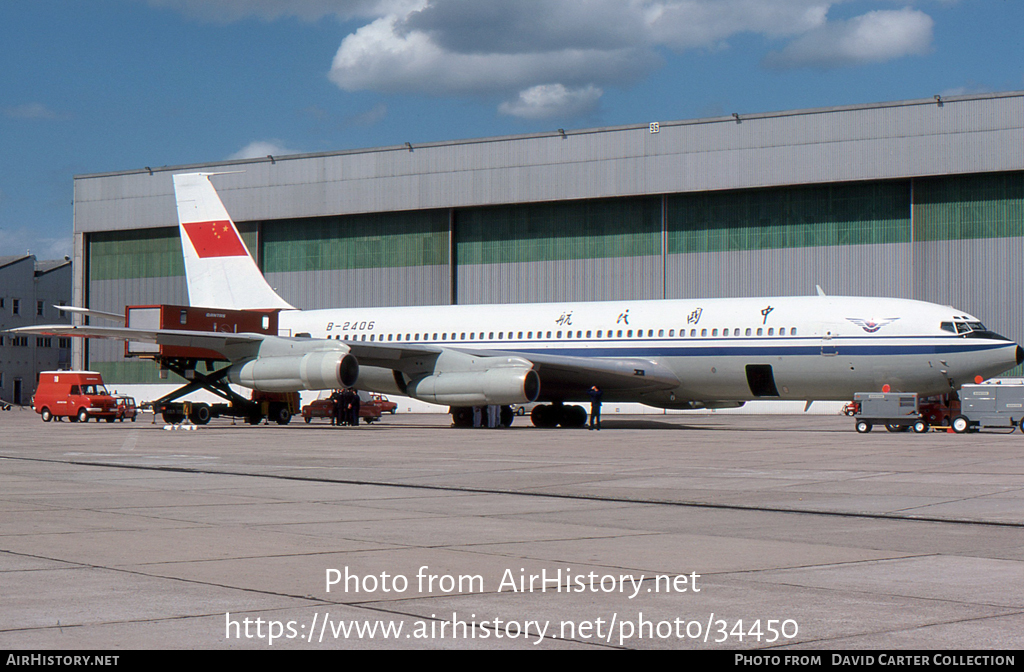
pixel 964 327
pixel 948 326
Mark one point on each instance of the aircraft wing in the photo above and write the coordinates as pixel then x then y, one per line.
pixel 561 377
pixel 233 346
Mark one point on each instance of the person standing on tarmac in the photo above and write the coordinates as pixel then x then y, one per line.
pixel 335 408
pixel 354 418
pixel 595 407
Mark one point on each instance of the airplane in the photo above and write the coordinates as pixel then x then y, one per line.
pixel 671 353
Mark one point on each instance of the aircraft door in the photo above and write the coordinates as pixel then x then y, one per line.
pixel 828 345
pixel 761 380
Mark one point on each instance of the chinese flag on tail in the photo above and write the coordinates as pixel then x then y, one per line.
pixel 215 239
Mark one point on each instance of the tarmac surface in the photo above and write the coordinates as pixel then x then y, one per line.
pixel 703 532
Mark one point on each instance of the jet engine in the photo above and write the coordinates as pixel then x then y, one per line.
pixel 477 388
pixel 463 379
pixel 321 369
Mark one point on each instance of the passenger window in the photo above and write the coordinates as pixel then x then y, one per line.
pixel 588 334
pixel 629 334
pixel 620 333
pixel 529 334
pixel 520 337
pixel 444 337
pixel 693 332
pixel 579 334
pixel 417 337
pixel 771 331
pixel 548 336
pixel 782 331
pixel 747 332
pixel 490 336
pixel 481 335
pixel 559 335
pixel 599 331
pixel 703 332
pixel 463 337
pixel 792 331
pixel 714 332
pixel 568 334
pixel 760 331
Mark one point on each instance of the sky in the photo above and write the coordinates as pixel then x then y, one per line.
pixel 111 85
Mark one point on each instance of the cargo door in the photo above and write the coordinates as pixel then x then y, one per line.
pixel 761 380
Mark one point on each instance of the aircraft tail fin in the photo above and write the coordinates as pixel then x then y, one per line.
pixel 219 270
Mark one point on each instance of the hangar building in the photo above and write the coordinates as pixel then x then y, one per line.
pixel 915 199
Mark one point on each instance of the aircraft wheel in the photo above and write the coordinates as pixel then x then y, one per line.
pixel 920 427
pixel 462 416
pixel 960 424
pixel 573 417
pixel 47 416
pixel 863 426
pixel 83 415
pixel 546 416
pixel 507 416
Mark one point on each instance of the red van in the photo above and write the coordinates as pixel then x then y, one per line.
pixel 76 395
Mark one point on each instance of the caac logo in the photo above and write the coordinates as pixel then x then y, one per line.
pixel 872 325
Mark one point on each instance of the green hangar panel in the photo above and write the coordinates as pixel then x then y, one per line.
pixel 915 199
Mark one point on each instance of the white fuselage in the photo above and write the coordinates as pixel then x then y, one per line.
pixel 813 347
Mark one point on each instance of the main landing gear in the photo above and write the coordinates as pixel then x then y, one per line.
pixel 559 415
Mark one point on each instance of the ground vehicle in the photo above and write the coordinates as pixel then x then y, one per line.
pixel 990 406
pixel 370 408
pixel 4 406
pixel 276 406
pixel 386 405
pixel 76 395
pixel 125 408
pixel 899 411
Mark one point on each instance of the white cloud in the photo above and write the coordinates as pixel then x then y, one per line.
pixel 529 48
pixel 545 101
pixel 381 58
pixel 262 148
pixel 225 11
pixel 874 37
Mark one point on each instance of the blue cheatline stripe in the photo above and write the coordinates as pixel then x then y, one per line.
pixel 760 351
pixel 729 346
